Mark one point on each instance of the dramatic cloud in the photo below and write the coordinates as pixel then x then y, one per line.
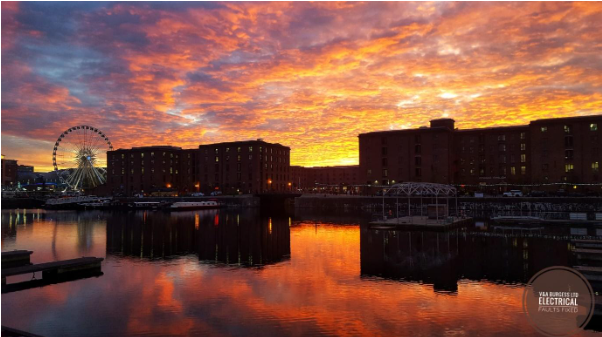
pixel 308 75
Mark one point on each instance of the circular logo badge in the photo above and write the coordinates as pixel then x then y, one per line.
pixel 558 301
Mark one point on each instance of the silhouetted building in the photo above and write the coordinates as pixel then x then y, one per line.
pixel 424 154
pixel 152 168
pixel 24 168
pixel 252 166
pixel 492 156
pixel 559 150
pixel 566 149
pixel 9 173
pixel 332 178
pixel 235 167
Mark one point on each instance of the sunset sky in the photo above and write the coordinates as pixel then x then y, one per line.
pixel 311 76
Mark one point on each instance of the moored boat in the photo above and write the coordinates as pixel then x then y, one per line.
pixel 74 202
pixel 188 205
pixel 106 203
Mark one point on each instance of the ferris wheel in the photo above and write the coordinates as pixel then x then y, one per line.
pixel 80 157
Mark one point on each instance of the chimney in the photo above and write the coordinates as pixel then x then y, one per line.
pixel 443 123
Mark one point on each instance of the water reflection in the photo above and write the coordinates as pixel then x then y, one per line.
pixel 177 275
pixel 442 259
pixel 215 237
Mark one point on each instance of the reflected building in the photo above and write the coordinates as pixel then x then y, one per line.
pixel 149 234
pixel 216 236
pixel 443 258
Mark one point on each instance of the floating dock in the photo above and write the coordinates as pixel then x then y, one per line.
pixel 16 258
pixel 422 223
pixel 56 269
pixel 10 332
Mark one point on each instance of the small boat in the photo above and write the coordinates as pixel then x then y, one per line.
pixel 188 205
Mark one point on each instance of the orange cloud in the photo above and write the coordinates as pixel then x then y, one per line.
pixel 309 75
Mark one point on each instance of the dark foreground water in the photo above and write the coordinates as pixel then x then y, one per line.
pixel 244 273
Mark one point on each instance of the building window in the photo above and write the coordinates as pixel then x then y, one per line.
pixel 384 151
pixel 385 173
pixel 384 141
pixel 595 167
pixel 544 129
pixel 568 168
pixel 369 172
pixel 238 149
pixel 593 127
pixel 217 159
pixel 142 170
pixel 418 149
pixel 523 158
pixel 513 170
pixel 502 147
pixel 385 162
pixel 501 138
pixel 238 158
pixel 503 159
pixel 567 129
pixel 523 147
pixel 250 157
pixel 418 161
pixel 568 154
pixel 523 135
pixel 418 172
pixel 568 141
pixel 523 170
pixel 417 139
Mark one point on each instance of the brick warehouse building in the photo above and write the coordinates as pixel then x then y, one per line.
pixel 252 166
pixel 152 168
pixel 333 178
pixel 245 166
pixel 559 150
